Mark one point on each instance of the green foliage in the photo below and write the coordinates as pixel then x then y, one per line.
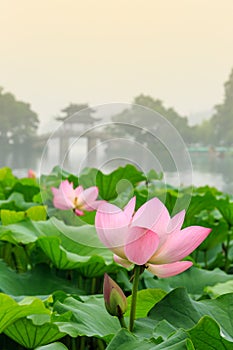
pixel 181 311
pixel 40 281
pixel 52 266
pixel 11 311
pixel 146 299
pixel 195 280
pixel 110 185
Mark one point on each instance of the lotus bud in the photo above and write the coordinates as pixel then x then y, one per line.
pixel 115 299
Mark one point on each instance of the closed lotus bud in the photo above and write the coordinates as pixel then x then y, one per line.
pixel 115 299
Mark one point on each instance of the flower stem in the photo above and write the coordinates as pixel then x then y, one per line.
pixel 122 321
pixel 137 272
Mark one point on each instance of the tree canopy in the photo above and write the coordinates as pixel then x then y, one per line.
pixel 222 120
pixel 18 121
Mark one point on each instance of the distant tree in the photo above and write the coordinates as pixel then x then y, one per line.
pixel 18 126
pixel 203 133
pixel 150 130
pixel 178 121
pixel 18 122
pixel 222 120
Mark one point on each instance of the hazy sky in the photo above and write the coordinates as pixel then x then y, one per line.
pixel 53 52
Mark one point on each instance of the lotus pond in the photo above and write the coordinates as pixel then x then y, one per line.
pixel 53 264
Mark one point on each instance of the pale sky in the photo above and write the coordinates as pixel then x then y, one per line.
pixel 53 52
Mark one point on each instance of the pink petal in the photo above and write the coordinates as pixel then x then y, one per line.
pixel 112 226
pixel 179 244
pixel 176 222
pixel 129 208
pixel 67 189
pixel 79 212
pixel 152 215
pixel 168 270
pixel 87 198
pixel 140 245
pixel 123 262
pixel 95 205
pixel 78 190
pixel 60 201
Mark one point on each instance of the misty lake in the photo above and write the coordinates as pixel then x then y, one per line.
pixel 206 170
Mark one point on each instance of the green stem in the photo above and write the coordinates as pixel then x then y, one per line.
pixel 227 251
pixel 73 343
pixel 82 343
pixel 137 271
pixel 122 321
pixel 100 344
pixel 93 285
pixel 205 259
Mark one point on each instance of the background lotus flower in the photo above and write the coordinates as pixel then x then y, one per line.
pixel 149 237
pixel 78 199
pixel 31 174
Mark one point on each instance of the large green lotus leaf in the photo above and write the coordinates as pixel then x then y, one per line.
pixel 220 289
pixel 24 232
pixel 60 173
pixel 7 180
pixel 124 340
pixel 107 184
pixel 206 335
pixel 198 203
pixel 76 248
pixel 152 175
pixel 89 265
pixel 15 256
pixel 81 240
pixel 144 327
pixel 54 346
pixel 68 247
pixel 226 209
pixel 96 267
pixel 194 280
pixel 30 335
pixel 146 299
pixel 181 311
pixel 90 318
pixel 60 257
pixel 36 213
pixel 9 217
pixel 16 201
pixel 217 236
pixel 28 187
pixel 163 329
pixel 11 311
pixel 68 216
pixel 39 281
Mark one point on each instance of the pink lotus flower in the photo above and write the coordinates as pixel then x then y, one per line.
pixel 149 237
pixel 31 174
pixel 78 199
